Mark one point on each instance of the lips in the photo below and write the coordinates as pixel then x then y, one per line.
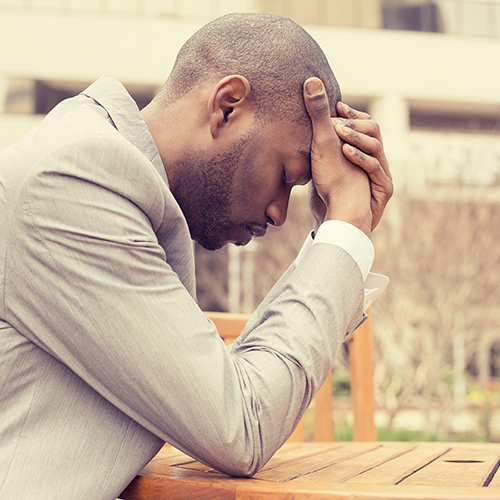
pixel 257 231
pixel 253 232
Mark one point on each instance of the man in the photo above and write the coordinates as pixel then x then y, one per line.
pixel 104 353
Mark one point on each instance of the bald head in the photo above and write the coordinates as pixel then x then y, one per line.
pixel 275 54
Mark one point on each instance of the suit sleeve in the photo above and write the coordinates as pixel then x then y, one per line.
pixel 88 282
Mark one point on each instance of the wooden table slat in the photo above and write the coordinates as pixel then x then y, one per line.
pixel 398 468
pixel 360 463
pixel 294 452
pixel 462 467
pixel 495 480
pixel 294 469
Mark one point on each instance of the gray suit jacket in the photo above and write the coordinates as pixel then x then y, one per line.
pixel 104 353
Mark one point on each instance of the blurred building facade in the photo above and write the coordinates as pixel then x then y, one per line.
pixel 426 70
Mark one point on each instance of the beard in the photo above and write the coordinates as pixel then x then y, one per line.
pixel 205 191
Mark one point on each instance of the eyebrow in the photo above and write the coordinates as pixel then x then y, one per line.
pixel 307 155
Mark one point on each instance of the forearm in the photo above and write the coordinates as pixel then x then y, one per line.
pixel 293 337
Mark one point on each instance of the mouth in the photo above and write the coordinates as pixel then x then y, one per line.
pixel 257 231
pixel 253 232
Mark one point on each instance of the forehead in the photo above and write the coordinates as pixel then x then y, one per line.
pixel 292 138
pixel 292 141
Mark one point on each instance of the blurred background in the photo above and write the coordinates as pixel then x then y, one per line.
pixel 429 73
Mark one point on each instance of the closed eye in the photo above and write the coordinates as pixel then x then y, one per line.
pixel 283 177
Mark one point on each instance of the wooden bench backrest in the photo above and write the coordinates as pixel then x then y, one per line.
pixel 360 346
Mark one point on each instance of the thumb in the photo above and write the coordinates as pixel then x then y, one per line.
pixel 318 108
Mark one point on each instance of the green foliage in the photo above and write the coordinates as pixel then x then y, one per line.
pixel 387 434
pixel 341 384
pixel 343 432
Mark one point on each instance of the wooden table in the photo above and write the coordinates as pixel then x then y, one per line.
pixel 353 470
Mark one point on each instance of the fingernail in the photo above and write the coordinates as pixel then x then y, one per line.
pixel 314 87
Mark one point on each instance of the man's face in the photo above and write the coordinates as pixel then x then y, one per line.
pixel 231 196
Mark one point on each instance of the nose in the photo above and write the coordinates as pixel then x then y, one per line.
pixel 276 210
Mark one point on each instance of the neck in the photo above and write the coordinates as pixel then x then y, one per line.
pixel 167 127
pixel 178 128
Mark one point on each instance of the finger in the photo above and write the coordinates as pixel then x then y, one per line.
pixel 364 143
pixel 368 127
pixel 346 111
pixel 377 173
pixel 318 107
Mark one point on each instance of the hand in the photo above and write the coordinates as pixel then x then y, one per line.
pixel 358 129
pixel 341 189
pixel 317 206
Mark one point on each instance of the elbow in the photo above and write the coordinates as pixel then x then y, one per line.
pixel 240 469
pixel 239 461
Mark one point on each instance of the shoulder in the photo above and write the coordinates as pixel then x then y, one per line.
pixel 78 139
pixel 77 150
pixel 79 120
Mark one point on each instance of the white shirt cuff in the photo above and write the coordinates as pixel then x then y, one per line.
pixel 356 244
pixel 347 237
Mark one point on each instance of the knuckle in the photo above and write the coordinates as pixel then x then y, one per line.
pixel 319 106
pixel 360 158
pixel 351 112
pixel 376 128
pixel 377 147
pixel 373 166
pixel 354 138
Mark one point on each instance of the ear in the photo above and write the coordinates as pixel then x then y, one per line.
pixel 230 103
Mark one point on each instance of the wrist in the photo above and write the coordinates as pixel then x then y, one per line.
pixel 362 221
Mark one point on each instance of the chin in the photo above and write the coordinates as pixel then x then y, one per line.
pixel 211 244
pixel 214 247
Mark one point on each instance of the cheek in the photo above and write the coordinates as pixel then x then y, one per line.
pixel 258 181
pixel 264 188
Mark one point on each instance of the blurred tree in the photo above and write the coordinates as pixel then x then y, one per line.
pixel 444 264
